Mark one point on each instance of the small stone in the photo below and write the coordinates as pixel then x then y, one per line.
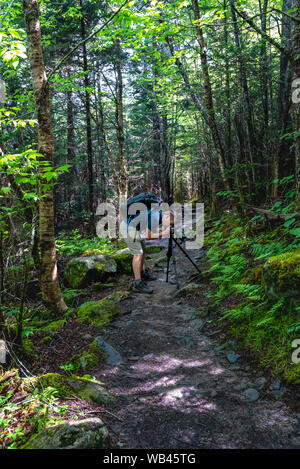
pixel 275 385
pixel 251 394
pixel 231 356
pixel 113 357
pixel 87 336
pixel 197 324
pixel 235 367
pixel 260 383
pixel 218 348
pixel 240 387
pixel 232 344
pixel 278 393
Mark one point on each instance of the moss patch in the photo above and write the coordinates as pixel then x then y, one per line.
pixel 87 389
pixel 153 249
pixel 123 260
pixel 89 359
pixel 54 326
pixel 28 347
pixel 97 313
pixel 282 275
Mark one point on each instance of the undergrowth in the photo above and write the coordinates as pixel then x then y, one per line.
pixel 266 327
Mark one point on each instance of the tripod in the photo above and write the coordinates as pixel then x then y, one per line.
pixel 170 254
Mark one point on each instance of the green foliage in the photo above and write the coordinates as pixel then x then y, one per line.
pixel 265 327
pixel 97 313
pixel 74 244
pixel 20 418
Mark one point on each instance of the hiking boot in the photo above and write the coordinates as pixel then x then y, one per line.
pixel 146 275
pixel 140 287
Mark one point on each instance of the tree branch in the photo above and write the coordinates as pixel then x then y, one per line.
pixel 67 56
pixel 293 18
pixel 278 46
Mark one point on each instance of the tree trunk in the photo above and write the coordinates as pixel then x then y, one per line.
pixel 283 99
pixel 209 99
pixel 295 108
pixel 88 126
pixel 50 288
pixel 120 121
pixel 249 118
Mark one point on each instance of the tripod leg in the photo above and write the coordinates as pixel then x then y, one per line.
pixel 169 255
pixel 186 254
pixel 176 275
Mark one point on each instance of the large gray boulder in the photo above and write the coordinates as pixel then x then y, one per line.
pixel 82 271
pixel 83 434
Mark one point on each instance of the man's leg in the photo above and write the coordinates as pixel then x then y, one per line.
pixel 138 261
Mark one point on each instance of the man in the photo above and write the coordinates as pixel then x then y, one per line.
pixel 153 225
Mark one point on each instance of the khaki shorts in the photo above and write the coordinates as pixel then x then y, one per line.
pixel 135 243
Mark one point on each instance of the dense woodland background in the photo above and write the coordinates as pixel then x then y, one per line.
pixel 194 100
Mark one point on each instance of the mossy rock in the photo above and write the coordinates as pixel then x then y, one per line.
pixel 187 290
pixel 82 271
pixel 281 275
pixel 97 313
pixel 83 434
pixel 123 259
pixel 86 389
pixel 54 326
pixel 92 252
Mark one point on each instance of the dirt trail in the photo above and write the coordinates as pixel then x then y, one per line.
pixel 176 389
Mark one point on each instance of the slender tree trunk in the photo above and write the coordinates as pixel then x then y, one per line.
pixel 120 121
pixel 165 159
pixel 50 288
pixel 109 150
pixel 295 108
pixel 227 83
pixel 248 111
pixel 283 100
pixel 208 98
pixel 88 125
pixel 264 63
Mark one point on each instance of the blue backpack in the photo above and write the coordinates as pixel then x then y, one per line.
pixel 146 198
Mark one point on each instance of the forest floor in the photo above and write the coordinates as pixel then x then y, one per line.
pixel 176 387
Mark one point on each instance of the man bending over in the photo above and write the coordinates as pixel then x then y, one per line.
pixel 153 225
